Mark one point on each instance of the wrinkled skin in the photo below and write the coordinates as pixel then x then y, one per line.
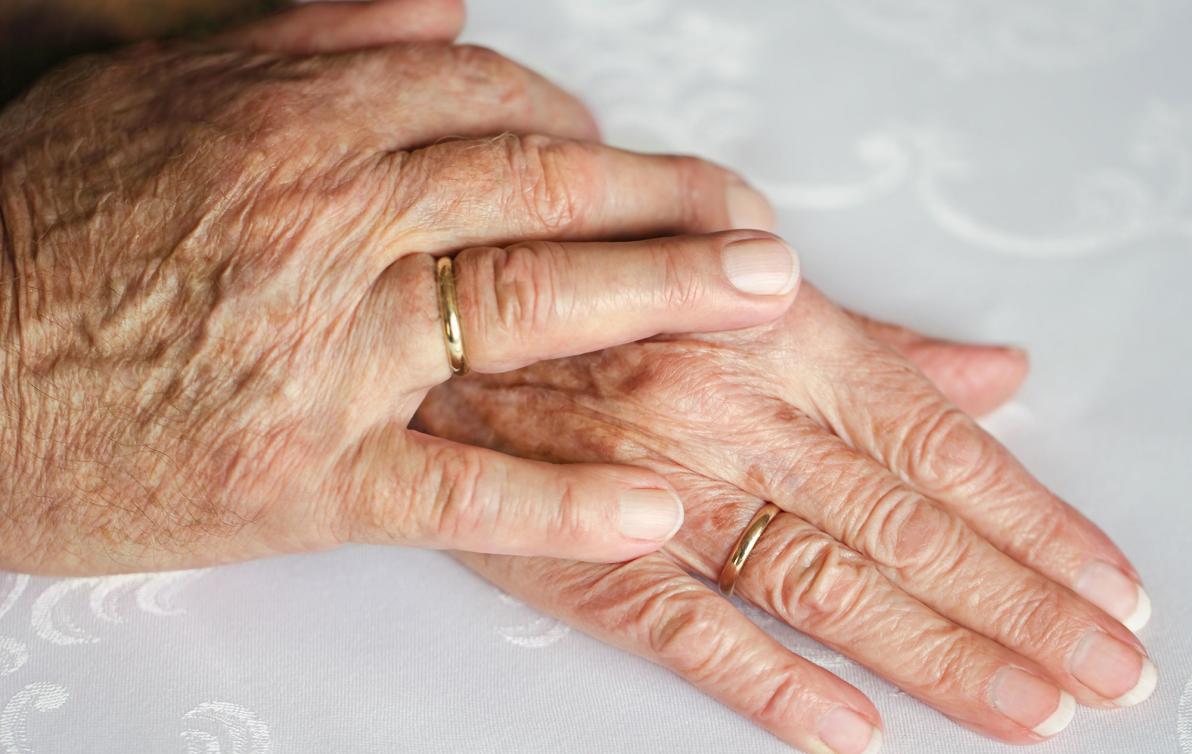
pixel 183 394
pixel 910 539
pixel 219 309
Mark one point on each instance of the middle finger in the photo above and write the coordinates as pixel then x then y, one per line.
pixel 806 578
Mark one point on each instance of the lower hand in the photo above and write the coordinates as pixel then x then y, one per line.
pixel 910 540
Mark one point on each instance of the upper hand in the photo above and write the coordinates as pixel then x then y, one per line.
pixel 219 311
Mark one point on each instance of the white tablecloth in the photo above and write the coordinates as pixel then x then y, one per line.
pixel 1011 170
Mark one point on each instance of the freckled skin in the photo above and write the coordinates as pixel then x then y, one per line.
pixel 155 337
pixel 826 413
pixel 177 291
pixel 219 311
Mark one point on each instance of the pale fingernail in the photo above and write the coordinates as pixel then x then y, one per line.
pixel 1113 670
pixel 747 208
pixel 764 266
pixel 1032 702
pixel 1114 592
pixel 650 514
pixel 846 732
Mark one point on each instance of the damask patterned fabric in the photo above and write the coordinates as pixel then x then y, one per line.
pixel 1010 170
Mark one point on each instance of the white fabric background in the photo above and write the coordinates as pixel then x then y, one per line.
pixel 1011 170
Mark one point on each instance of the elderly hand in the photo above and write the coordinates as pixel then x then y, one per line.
pixel 219 309
pixel 909 539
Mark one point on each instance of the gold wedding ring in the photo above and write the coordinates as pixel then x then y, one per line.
pixel 453 333
pixel 744 546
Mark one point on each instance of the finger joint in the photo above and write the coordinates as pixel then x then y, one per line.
pixel 685 631
pixel 945 450
pixel 552 180
pixel 822 586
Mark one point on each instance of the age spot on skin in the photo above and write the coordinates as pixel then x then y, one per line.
pixel 731 518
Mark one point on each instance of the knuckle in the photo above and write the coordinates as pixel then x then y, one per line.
pixel 1034 615
pixel 684 629
pixel 263 107
pixel 698 184
pixel 776 705
pixel 448 487
pixel 799 446
pixel 478 62
pixel 519 292
pixel 821 585
pixel 1037 530
pixel 944 449
pixel 682 285
pixel 943 664
pixel 491 74
pixel 551 179
pixel 910 533
pixel 569 522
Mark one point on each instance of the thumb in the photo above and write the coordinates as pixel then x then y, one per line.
pixel 407 488
pixel 343 26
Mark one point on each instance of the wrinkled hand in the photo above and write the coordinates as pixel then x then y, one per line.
pixel 910 540
pixel 218 309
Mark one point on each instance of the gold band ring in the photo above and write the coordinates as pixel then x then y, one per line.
pixel 453 333
pixel 744 546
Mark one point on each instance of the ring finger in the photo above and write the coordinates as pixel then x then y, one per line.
pixel 538 301
pixel 809 580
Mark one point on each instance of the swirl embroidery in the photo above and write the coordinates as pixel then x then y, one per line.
pixel 57 615
pixel 668 75
pixel 988 36
pixel 225 728
pixel 14 719
pixel 1114 208
pixel 13 652
pixel 1183 723
pixel 524 627
pixel 14 586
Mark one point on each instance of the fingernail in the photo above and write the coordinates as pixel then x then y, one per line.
pixel 764 266
pixel 1114 592
pixel 1113 670
pixel 1032 702
pixel 650 514
pixel 846 732
pixel 747 208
